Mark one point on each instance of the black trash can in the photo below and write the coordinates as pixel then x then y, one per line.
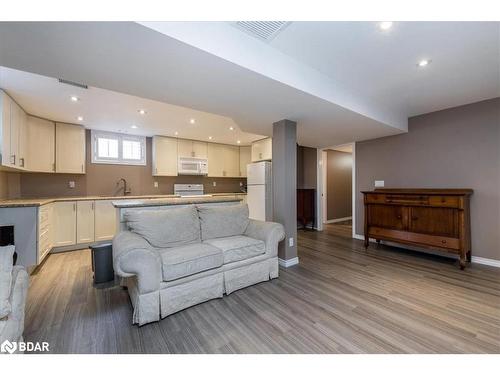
pixel 102 263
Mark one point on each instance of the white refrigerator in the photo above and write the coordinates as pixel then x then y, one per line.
pixel 260 191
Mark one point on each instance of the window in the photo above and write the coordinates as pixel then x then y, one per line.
pixel 115 148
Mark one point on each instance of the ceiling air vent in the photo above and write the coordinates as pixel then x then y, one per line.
pixel 66 82
pixel 264 30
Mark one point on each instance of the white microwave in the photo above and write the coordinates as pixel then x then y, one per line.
pixel 193 166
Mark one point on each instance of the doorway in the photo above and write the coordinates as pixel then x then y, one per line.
pixel 337 186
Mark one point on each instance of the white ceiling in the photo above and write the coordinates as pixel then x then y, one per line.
pixel 112 111
pixel 379 64
pixel 341 81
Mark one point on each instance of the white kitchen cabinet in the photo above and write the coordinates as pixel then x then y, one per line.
pixel 262 150
pixel 13 134
pixel 105 220
pixel 192 149
pixel 164 156
pixel 70 148
pixel 64 223
pixel 85 222
pixel 45 231
pixel 245 158
pixel 223 160
pixel 41 145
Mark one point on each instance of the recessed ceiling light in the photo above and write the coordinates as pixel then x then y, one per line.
pixel 134 126
pixel 238 142
pixel 385 25
pixel 141 111
pixel 210 137
pixel 423 63
pixel 176 133
pixel 192 121
pixel 74 98
pixel 231 128
pixel 79 118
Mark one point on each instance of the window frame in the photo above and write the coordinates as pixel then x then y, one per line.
pixel 96 134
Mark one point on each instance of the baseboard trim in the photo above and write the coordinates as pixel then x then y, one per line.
pixel 486 261
pixel 338 220
pixel 288 262
pixel 474 259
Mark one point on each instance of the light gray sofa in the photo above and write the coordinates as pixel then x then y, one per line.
pixel 175 258
pixel 14 282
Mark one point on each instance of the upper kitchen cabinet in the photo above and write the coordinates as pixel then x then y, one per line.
pixel 192 149
pixel 13 133
pixel 245 158
pixel 164 156
pixel 70 148
pixel 262 150
pixel 41 145
pixel 223 160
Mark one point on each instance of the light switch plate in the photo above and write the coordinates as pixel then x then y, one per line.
pixel 214 183
pixel 71 184
pixel 290 241
pixel 155 184
pixel 379 183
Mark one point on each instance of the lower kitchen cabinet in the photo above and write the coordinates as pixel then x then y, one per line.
pixel 64 223
pixel 45 231
pixel 105 220
pixel 85 221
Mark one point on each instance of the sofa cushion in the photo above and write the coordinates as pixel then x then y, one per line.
pixel 166 228
pixel 187 260
pixel 6 265
pixel 223 221
pixel 236 248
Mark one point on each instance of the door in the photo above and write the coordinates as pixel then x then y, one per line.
pixel 85 221
pixel 216 156
pixel 185 148
pixel 5 139
pixel 105 220
pixel 64 223
pixel 245 159
pixel 434 221
pixel 70 148
pixel 389 217
pixel 231 161
pixel 41 145
pixel 200 149
pixel 256 200
pixel 164 156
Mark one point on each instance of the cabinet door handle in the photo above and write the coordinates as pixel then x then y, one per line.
pixel 21 162
pixel 74 206
pixel 82 167
pixel 54 167
pixel 399 216
pixel 13 159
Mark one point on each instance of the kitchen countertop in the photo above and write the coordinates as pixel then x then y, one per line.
pixel 35 202
pixel 173 201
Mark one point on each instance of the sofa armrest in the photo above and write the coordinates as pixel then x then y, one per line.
pixel 134 256
pixel 269 232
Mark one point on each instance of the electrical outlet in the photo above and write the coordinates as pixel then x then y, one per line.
pixel 71 184
pixel 290 242
pixel 241 184
pixel 155 184
pixel 379 183
pixel 214 183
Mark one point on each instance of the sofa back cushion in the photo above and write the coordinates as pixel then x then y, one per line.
pixel 6 265
pixel 223 221
pixel 166 228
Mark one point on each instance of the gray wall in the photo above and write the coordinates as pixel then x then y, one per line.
pixel 307 167
pixel 453 148
pixel 338 184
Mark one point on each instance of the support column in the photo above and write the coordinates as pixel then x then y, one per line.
pixel 285 188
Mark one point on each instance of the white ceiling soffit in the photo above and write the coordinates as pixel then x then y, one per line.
pixel 129 58
pixel 220 39
pixel 101 109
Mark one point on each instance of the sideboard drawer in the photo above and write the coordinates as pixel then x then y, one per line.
pixel 444 201
pixel 407 199
pixel 436 241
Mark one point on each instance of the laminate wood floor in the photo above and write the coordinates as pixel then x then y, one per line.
pixel 339 299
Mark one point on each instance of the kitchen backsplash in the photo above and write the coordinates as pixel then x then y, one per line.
pixel 101 179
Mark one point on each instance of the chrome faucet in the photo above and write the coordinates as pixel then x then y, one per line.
pixel 125 190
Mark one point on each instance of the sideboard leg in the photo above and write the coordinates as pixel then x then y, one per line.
pixel 462 262
pixel 366 242
pixel 469 256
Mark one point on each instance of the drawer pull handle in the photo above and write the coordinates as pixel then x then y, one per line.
pixel 399 216
pixel 443 241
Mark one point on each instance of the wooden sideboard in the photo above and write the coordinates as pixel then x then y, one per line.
pixel 430 218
